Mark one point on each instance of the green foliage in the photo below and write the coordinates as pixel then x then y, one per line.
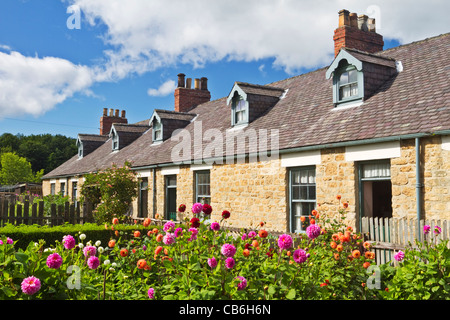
pixel 424 273
pixel 44 152
pixel 16 169
pixel 111 191
pixel 180 270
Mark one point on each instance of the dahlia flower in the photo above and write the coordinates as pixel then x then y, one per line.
pixel 8 241
pixel 54 261
pixel 313 231
pixel 89 251
pixel 151 293
pixel 228 250
pixel 300 256
pixel 207 209
pixel 169 226
pixel 426 229
pixel 242 284
pixel 197 208
pixel 437 230
pixel 215 226
pixel 93 262
pixel 195 222
pixel 252 234
pixel 30 285
pixel 68 242
pixel 182 208
pixel 212 262
pixel 229 263
pixel 169 238
pixel 399 256
pixel 284 241
pixel 225 214
pixel 178 232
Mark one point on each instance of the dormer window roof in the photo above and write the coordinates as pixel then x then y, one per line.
pixel 87 143
pixel 124 134
pixel 249 101
pixel 164 122
pixel 357 75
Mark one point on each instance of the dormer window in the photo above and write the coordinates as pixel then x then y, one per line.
pixel 157 131
pixel 80 149
pixel 250 101
pixel 239 110
pixel 358 75
pixel 115 140
pixel 348 83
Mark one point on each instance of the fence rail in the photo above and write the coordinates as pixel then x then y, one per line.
pixel 34 213
pixel 388 235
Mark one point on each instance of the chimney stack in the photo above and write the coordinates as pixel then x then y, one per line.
pixel 356 32
pixel 106 121
pixel 187 98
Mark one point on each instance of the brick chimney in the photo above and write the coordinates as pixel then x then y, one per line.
pixel 187 98
pixel 357 32
pixel 107 120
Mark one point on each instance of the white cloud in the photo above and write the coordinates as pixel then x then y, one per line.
pixel 296 33
pixel 147 35
pixel 33 85
pixel 165 89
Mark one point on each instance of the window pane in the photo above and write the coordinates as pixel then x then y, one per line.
pixel 303 192
pixel 377 170
pixel 352 76
pixel 343 79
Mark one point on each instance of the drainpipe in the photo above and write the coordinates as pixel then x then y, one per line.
pixel 154 192
pixel 418 186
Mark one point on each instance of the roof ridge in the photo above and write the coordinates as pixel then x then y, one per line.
pixel 263 86
pixel 416 42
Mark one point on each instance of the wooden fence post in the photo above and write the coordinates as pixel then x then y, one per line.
pixel 26 212
pixel 53 214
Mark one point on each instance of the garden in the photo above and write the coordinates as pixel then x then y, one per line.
pixel 201 259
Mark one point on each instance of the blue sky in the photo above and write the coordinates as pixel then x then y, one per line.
pixel 57 80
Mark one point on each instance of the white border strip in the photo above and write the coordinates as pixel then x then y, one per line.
pixel 384 150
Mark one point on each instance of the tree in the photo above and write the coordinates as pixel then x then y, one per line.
pixel 110 191
pixel 15 169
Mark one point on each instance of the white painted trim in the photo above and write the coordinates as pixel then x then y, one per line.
pixel 74 180
pixel 143 173
pixel 197 167
pixel 445 143
pixel 305 158
pixel 53 181
pixel 384 150
pixel 170 170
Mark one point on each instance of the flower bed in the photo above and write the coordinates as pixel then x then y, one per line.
pixel 198 260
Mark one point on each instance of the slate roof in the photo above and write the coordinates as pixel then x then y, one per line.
pixel 413 101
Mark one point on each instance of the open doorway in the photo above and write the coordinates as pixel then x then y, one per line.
pixel 376 189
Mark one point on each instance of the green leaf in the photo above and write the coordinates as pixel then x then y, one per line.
pixel 21 257
pixel 271 290
pixel 291 294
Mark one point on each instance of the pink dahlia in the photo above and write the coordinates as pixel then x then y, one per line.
pixel 151 293
pixel 426 229
pixel 89 251
pixel 242 283
pixel 399 256
pixel 169 226
pixel 215 226
pixel 228 250
pixel 178 232
pixel 437 230
pixel 300 256
pixel 93 262
pixel 252 234
pixel 313 231
pixel 8 241
pixel 229 263
pixel 54 261
pixel 30 285
pixel 68 242
pixel 284 241
pixel 169 238
pixel 212 262
pixel 197 208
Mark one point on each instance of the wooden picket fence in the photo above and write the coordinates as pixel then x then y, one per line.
pixel 389 235
pixel 33 213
